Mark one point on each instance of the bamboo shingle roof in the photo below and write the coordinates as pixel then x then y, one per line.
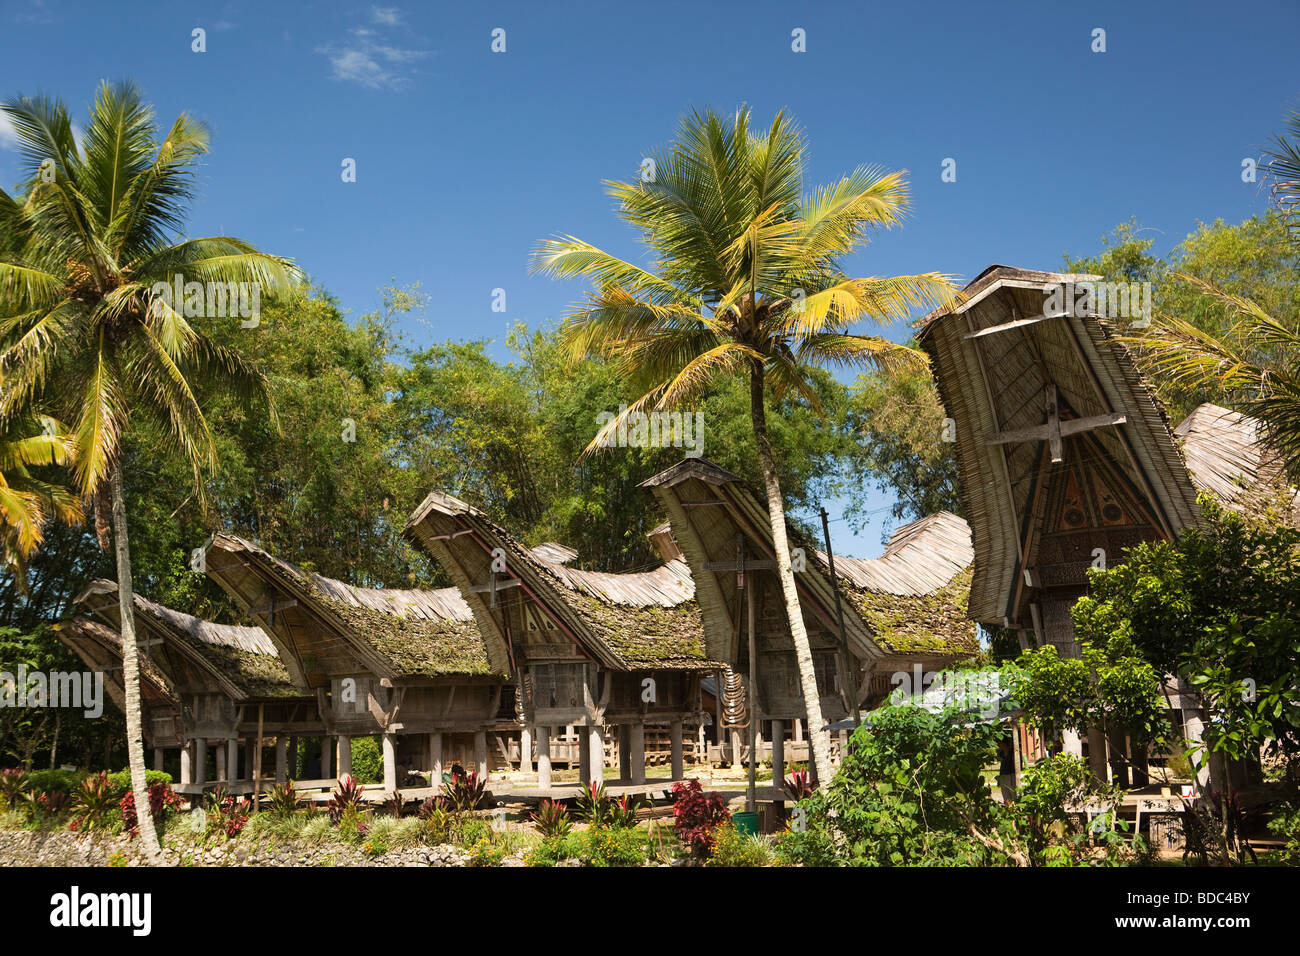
pixel 241 660
pixel 100 648
pixel 329 627
pixel 627 621
pixel 1227 457
pixel 998 359
pixel 910 600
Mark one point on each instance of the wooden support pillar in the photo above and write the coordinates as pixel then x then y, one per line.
pixel 157 758
pixel 201 760
pixel 675 737
pixel 778 754
pixel 327 756
pixel 636 757
pixel 544 758
pixel 345 756
pixel 232 760
pixel 435 760
pixel 187 763
pixel 624 732
pixel 221 764
pixel 481 754
pixel 293 757
pixel 1118 757
pixel 249 757
pixel 390 762
pixel 281 759
pixel 584 757
pixel 257 750
pixel 597 757
pixel 751 698
pixel 525 750
pixel 1097 754
pixel 798 732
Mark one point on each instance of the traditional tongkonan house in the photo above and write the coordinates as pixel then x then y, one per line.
pixel 407 665
pixel 903 613
pixel 605 653
pixel 203 686
pixel 1065 456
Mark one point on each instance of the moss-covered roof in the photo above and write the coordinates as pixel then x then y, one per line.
pixel 244 656
pixel 932 623
pixel 421 633
pixel 417 646
pixel 647 619
pixel 651 636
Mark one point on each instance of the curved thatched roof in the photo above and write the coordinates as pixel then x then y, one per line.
pixel 330 627
pixel 242 661
pixel 627 621
pixel 913 597
pixel 100 648
pixel 1043 400
pixel 911 600
pixel 1226 457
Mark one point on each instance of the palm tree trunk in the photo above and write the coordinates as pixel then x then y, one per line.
pixel 818 743
pixel 131 671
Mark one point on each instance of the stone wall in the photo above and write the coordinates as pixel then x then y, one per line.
pixel 64 848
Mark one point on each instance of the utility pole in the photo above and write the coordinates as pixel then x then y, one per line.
pixel 846 657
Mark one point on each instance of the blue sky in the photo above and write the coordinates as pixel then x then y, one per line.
pixel 465 158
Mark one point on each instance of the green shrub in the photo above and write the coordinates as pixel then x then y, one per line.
pixel 551 850
pixel 1286 825
pixel 55 779
pixel 122 779
pixel 437 821
pixel 367 760
pixel 469 831
pixel 486 852
pixel 733 848
pixel 614 846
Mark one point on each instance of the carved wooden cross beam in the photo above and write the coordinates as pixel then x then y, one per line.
pixel 1053 430
pixel 492 586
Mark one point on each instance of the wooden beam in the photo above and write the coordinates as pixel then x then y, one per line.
pixel 1016 324
pixel 756 564
pixel 272 606
pixel 1065 429
pixel 494 586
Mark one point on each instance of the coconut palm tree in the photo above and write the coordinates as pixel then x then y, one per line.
pixel 745 281
pixel 27 501
pixel 87 322
pixel 1253 360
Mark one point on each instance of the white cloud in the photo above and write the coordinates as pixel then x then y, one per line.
pixel 367 60
pixel 8 138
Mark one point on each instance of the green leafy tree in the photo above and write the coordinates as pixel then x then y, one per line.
pixel 912 791
pixel 1217 608
pixel 898 422
pixel 83 325
pixel 746 283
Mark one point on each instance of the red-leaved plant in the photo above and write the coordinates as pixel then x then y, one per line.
pixel 798 786
pixel 697 816
pixel 162 799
